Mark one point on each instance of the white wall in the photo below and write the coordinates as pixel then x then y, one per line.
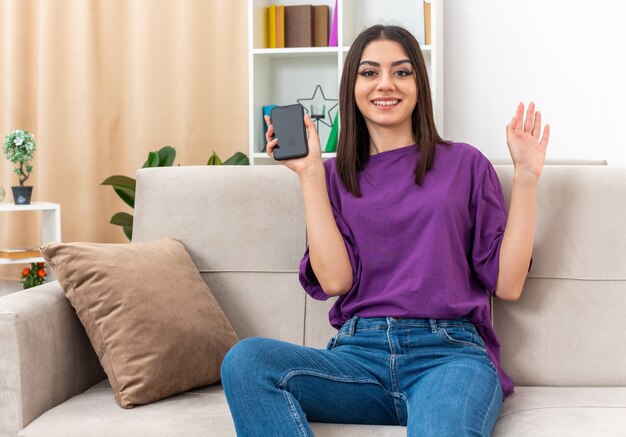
pixel 569 56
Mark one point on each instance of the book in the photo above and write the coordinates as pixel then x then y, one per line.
pixel 280 26
pixel 20 253
pixel 427 36
pixel 271 27
pixel 331 144
pixel 266 111
pixel 320 24
pixel 299 26
pixel 332 39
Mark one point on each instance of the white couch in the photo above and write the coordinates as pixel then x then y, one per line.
pixel 563 342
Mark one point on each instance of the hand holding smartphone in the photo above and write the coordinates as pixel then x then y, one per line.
pixel 289 129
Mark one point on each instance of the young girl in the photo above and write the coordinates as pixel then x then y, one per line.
pixel 411 233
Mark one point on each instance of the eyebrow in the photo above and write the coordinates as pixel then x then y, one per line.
pixel 393 64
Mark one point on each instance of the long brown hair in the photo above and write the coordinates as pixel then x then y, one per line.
pixel 354 139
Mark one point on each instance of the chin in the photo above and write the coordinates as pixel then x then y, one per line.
pixel 388 122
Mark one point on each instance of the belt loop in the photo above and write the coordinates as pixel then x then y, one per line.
pixel 352 327
pixel 433 325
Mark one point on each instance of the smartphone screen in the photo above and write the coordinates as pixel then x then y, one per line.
pixel 288 122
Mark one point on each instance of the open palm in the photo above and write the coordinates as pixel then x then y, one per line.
pixel 527 150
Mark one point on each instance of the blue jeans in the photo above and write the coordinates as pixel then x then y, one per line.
pixel 432 376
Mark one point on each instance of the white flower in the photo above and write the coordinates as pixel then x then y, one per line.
pixel 19 141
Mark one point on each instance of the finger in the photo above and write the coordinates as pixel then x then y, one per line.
pixel 530 117
pixel 269 147
pixel 267 119
pixel 513 124
pixel 546 136
pixel 537 126
pixel 310 126
pixel 519 115
pixel 270 133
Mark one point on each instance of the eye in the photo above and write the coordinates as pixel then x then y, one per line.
pixel 367 73
pixel 404 73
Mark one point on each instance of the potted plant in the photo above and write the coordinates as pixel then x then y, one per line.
pixel 19 148
pixel 34 275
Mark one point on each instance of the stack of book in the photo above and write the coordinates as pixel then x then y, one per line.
pixel 19 253
pixel 297 26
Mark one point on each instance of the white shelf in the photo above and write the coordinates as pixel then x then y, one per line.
pixel 22 261
pixel 301 51
pixel 282 76
pixel 424 48
pixel 50 226
pixel 258 155
pixel 34 206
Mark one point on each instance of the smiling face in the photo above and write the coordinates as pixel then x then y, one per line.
pixel 386 86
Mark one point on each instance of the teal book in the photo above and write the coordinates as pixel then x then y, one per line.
pixel 266 111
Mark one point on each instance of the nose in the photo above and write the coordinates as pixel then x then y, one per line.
pixel 385 82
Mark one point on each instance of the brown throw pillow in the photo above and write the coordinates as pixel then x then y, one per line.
pixel 155 325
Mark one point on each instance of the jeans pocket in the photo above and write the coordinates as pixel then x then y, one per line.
pixel 333 341
pixel 463 337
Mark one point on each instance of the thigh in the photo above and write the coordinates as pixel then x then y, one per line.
pixel 329 385
pixel 461 396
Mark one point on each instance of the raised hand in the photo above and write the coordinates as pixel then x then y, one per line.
pixel 298 165
pixel 527 150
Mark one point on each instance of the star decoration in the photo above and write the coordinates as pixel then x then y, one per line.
pixel 317 99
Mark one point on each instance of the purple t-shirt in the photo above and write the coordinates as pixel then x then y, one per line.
pixel 429 251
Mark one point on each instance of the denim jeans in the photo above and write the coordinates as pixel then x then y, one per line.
pixel 431 375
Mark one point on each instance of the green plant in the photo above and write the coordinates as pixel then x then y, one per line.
pixel 34 276
pixel 237 159
pixel 19 148
pixel 125 186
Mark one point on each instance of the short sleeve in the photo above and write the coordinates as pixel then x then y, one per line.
pixel 307 277
pixel 490 222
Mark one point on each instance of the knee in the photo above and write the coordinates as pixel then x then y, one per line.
pixel 243 359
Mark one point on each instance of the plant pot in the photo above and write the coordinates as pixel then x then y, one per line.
pixel 21 195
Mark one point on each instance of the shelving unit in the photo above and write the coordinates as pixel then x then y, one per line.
pixel 50 226
pixel 282 76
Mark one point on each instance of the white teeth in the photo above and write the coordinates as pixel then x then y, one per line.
pixel 385 102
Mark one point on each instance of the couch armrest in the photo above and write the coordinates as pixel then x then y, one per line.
pixel 45 357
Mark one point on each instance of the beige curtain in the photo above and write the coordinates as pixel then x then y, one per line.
pixel 100 83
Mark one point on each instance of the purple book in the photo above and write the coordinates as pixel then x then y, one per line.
pixel 332 40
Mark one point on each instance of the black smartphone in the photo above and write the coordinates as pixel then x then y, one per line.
pixel 288 122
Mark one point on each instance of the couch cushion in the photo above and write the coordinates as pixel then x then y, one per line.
pixel 253 235
pixel 536 411
pixel 563 412
pixel 580 231
pixel 202 412
pixel 155 325
pixel 567 327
